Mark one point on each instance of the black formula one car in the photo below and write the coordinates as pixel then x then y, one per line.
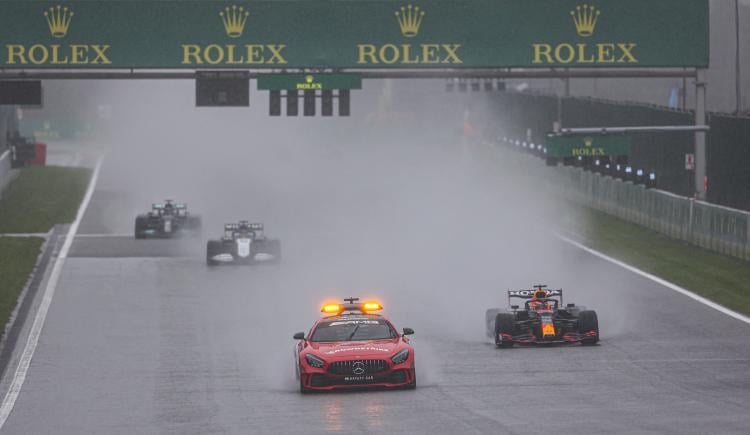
pixel 542 319
pixel 243 243
pixel 167 220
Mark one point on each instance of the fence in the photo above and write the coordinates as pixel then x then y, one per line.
pixel 728 149
pixel 717 228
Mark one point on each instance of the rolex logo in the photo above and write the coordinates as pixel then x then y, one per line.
pixel 58 20
pixel 585 18
pixel 587 141
pixel 409 19
pixel 234 20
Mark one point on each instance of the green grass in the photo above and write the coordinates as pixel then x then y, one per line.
pixel 41 197
pixel 723 279
pixel 18 256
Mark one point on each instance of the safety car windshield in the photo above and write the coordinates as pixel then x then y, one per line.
pixel 353 329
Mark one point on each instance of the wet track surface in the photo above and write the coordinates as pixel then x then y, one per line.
pixel 143 338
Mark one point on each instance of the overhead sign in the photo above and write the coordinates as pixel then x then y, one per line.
pixel 254 34
pixel 589 146
pixel 303 82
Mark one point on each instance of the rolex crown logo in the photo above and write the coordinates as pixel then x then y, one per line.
pixel 409 19
pixel 309 79
pixel 585 18
pixel 587 141
pixel 234 19
pixel 58 20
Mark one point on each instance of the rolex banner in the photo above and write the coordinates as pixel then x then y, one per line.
pixel 597 145
pixel 195 34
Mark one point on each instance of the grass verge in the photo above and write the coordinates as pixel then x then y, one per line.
pixel 18 256
pixel 723 279
pixel 41 197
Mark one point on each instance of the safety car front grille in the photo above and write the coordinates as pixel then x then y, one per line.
pixel 358 367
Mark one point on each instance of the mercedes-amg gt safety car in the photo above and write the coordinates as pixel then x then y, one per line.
pixel 542 319
pixel 167 220
pixel 243 243
pixel 353 347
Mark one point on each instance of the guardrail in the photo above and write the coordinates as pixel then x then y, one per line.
pixel 720 229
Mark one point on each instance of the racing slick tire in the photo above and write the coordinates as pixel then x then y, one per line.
pixel 587 321
pixel 213 247
pixel 140 227
pixel 504 323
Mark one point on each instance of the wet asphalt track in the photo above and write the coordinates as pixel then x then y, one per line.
pixel 142 338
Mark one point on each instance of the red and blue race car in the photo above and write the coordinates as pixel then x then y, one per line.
pixel 353 347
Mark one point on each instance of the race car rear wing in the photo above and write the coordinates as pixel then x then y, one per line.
pixel 528 294
pixel 254 227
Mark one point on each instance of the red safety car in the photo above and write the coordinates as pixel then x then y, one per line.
pixel 352 347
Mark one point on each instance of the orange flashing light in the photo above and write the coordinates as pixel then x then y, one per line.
pixel 371 306
pixel 332 308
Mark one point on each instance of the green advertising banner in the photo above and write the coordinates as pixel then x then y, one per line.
pixel 589 145
pixel 301 82
pixel 210 34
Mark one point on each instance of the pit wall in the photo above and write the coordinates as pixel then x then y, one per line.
pixel 720 229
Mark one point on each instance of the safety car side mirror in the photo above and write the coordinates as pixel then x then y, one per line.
pixel 299 336
pixel 408 331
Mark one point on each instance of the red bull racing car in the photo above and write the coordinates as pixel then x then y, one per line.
pixel 353 347
pixel 542 319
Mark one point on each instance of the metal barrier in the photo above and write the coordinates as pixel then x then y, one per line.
pixel 720 229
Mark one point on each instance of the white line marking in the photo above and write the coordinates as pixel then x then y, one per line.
pixel 4 155
pixel 105 235
pixel 42 235
pixel 36 328
pixel 656 279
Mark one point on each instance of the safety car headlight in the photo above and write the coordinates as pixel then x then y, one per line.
pixel 400 357
pixel 314 361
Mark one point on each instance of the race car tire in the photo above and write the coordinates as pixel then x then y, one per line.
pixel 140 227
pixel 489 321
pixel 504 323
pixel 274 248
pixel 587 321
pixel 194 224
pixel 213 247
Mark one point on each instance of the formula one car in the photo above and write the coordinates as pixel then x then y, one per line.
pixel 167 220
pixel 542 319
pixel 243 243
pixel 354 348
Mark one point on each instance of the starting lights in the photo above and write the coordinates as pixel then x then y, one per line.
pixel 352 305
